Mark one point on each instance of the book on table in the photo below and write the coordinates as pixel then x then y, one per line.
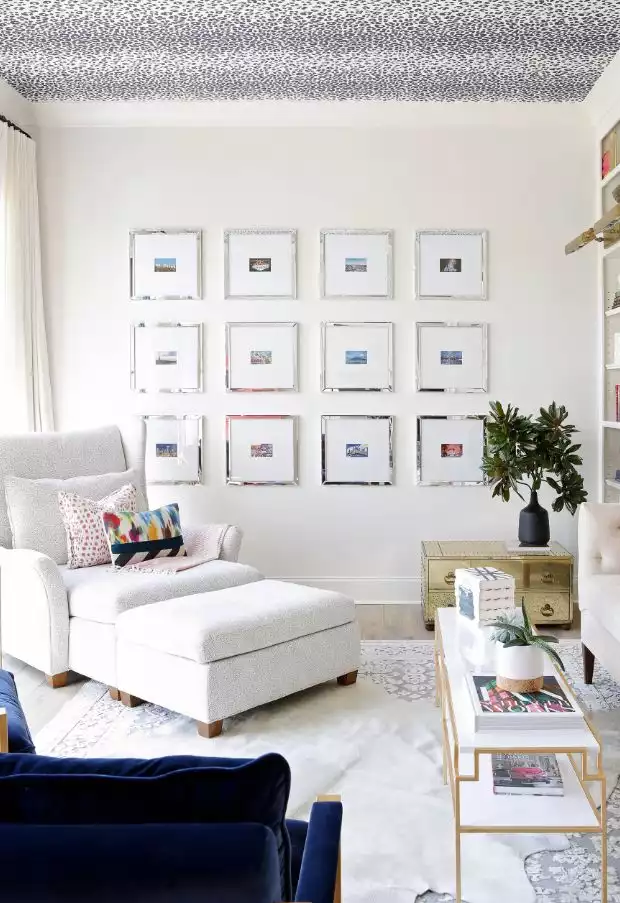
pixel 552 708
pixel 526 774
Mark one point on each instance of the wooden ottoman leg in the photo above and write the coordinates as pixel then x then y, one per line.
pixel 57 680
pixel 345 680
pixel 114 693
pixel 129 700
pixel 588 664
pixel 210 730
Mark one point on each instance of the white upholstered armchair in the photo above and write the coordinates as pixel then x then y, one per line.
pixel 57 619
pixel 599 586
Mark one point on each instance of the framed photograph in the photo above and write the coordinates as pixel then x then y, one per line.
pixel 260 263
pixel 449 450
pixel 261 357
pixel 173 448
pixel 356 357
pixel 166 357
pixel 356 263
pixel 165 264
pixel 451 264
pixel 356 450
pixel 451 357
pixel 261 450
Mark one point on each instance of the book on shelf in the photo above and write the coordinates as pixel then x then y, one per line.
pixel 527 774
pixel 617 402
pixel 552 708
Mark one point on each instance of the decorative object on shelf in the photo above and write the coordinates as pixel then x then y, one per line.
pixel 451 357
pixel 173 448
pixel 483 594
pixel 356 357
pixel 165 264
pixel 260 263
pixel 166 357
pixel 449 450
pixel 451 263
pixel 261 357
pixel 356 263
pixel 261 450
pixel 356 450
pixel 540 450
pixel 520 653
pixel 608 153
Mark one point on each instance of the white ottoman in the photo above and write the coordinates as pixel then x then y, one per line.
pixel 211 655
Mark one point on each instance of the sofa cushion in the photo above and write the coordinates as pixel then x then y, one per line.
pixel 34 512
pixel 136 537
pixel 87 543
pixel 206 628
pixel 20 740
pixel 37 790
pixel 101 593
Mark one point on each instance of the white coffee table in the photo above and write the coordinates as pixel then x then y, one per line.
pixel 467 764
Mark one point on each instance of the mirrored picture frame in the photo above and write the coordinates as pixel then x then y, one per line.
pixel 356 263
pixel 451 357
pixel 165 264
pixel 450 449
pixel 451 264
pixel 173 448
pixel 357 450
pixel 262 357
pixel 357 357
pixel 260 263
pixel 166 357
pixel 262 450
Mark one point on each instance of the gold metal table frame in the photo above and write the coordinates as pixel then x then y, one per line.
pixel 577 756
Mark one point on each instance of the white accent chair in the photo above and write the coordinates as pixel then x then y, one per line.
pixel 57 619
pixel 599 587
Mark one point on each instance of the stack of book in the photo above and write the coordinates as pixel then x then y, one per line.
pixel 552 708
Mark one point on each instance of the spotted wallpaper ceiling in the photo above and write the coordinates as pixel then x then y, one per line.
pixel 439 50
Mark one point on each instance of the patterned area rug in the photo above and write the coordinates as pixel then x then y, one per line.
pixel 88 723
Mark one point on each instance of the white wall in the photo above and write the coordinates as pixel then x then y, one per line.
pixel 14 106
pixel 530 187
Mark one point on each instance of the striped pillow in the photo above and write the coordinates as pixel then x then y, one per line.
pixel 140 537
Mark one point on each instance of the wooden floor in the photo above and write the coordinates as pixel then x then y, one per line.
pixel 377 622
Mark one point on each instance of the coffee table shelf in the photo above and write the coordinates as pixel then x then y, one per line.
pixel 467 764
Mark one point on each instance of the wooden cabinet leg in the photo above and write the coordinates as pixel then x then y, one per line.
pixel 114 693
pixel 345 680
pixel 129 700
pixel 588 664
pixel 57 680
pixel 211 729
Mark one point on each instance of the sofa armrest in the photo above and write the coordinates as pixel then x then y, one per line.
pixel 319 878
pixel 35 610
pixel 201 539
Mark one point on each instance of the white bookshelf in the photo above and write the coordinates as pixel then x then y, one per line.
pixel 609 284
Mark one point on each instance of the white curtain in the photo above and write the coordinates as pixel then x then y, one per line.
pixel 25 389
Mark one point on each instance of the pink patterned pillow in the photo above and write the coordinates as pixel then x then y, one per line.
pixel 87 544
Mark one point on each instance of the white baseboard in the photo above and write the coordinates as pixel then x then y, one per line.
pixel 367 590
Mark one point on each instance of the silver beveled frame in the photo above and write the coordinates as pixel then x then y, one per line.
pixel 326 417
pixel 483 233
pixel 390 262
pixel 419 481
pixel 200 420
pixel 390 330
pixel 132 274
pixel 132 356
pixel 261 231
pixel 295 339
pixel 450 325
pixel 229 476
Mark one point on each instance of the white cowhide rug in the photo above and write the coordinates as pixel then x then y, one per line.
pixel 380 752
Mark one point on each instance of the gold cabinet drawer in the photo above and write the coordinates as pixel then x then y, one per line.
pixel 548 608
pixel 441 572
pixel 549 574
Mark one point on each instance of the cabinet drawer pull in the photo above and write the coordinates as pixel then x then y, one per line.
pixel 450 578
pixel 547 610
pixel 547 577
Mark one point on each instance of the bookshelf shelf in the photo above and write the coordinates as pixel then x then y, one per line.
pixel 611 425
pixel 613 484
pixel 612 313
pixel 611 176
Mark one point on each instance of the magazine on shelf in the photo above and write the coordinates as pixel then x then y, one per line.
pixel 552 708
pixel 526 774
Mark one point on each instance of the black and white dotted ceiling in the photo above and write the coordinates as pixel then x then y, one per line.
pixel 435 50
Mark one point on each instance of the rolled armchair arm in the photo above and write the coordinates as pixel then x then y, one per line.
pixel 202 539
pixel 34 610
pixel 320 866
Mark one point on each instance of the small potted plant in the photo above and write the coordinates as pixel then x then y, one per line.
pixel 520 660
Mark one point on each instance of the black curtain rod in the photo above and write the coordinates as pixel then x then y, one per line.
pixel 12 125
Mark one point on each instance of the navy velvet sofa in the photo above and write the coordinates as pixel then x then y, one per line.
pixel 180 829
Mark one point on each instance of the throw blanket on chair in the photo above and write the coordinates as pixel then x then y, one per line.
pixel 202 543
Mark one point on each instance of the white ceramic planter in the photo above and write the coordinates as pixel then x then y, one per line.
pixel 520 669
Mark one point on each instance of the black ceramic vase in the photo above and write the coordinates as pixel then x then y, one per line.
pixel 534 524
